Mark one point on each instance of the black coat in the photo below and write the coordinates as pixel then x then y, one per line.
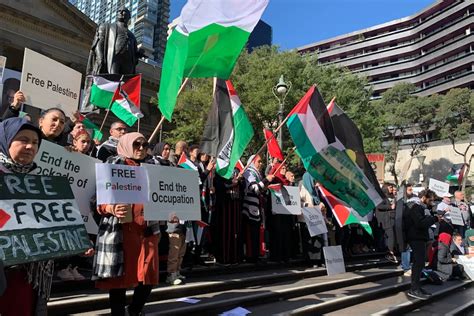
pixel 416 223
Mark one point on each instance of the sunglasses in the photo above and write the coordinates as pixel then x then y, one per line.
pixel 137 145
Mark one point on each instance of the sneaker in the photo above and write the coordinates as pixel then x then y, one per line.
pixel 77 276
pixel 173 279
pixel 418 295
pixel 407 273
pixel 180 276
pixel 391 257
pixel 66 274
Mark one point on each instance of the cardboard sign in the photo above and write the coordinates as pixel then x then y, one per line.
pixel 468 264
pixel 334 260
pixel 79 169
pixel 39 219
pixel 314 221
pixel 377 162
pixel 456 216
pixel 294 208
pixel 173 190
pixel 47 83
pixel 439 187
pixel 121 184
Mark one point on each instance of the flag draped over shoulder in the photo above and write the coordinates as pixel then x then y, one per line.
pixel 228 130
pixel 120 94
pixel 343 213
pixel 274 149
pixel 349 136
pixel 324 158
pixel 206 42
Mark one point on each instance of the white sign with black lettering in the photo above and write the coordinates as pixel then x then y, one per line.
pixel 334 260
pixel 173 190
pixel 79 169
pixel 47 83
pixel 456 216
pixel 468 264
pixel 121 184
pixel 279 206
pixel 314 221
pixel 439 187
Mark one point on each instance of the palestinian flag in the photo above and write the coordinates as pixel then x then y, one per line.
pixel 102 91
pixel 456 174
pixel 206 43
pixel 185 163
pixel 126 101
pixel 96 133
pixel 240 166
pixel 325 159
pixel 280 192
pixel 273 148
pixel 349 136
pixel 343 213
pixel 201 226
pixel 228 130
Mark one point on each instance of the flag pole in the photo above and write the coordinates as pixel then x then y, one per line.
pixel 283 162
pixel 110 106
pixel 162 117
pixel 138 126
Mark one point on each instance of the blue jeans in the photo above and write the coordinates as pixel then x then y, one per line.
pixel 405 264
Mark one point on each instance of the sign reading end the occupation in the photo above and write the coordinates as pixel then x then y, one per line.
pixel 173 190
pixel 121 184
pixel 39 219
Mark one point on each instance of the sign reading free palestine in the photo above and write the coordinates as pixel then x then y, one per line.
pixel 39 219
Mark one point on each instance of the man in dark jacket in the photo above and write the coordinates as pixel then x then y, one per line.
pixel 416 223
pixel 109 147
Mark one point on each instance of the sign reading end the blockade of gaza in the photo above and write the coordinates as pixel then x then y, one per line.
pixel 39 219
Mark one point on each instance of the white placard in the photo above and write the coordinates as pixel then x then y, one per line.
pixel 173 190
pixel 334 260
pixel 456 216
pixel 54 160
pixel 472 209
pixel 468 264
pixel 121 184
pixel 47 83
pixel 279 207
pixel 3 62
pixel 439 187
pixel 314 221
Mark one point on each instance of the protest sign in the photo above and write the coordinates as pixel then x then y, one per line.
pixel 439 187
pixel 173 190
pixel 54 160
pixel 334 260
pixel 121 184
pixel 47 83
pixel 314 221
pixel 294 208
pixel 39 219
pixel 377 162
pixel 468 263
pixel 456 216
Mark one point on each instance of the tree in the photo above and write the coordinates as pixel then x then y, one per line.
pixel 407 117
pixel 455 119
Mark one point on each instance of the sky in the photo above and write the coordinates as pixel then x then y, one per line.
pixel 297 23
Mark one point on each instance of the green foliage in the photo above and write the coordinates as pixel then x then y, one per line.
pixel 455 116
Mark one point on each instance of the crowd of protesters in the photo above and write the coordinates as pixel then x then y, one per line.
pixel 239 225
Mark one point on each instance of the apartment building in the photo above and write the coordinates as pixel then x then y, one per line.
pixel 432 49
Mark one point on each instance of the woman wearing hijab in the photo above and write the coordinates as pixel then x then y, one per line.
pixel 19 144
pixel 253 206
pixel 312 246
pixel 126 251
pixel 447 266
pixel 161 154
pixel 280 226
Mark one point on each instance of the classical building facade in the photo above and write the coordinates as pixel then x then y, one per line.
pixel 432 49
pixel 55 28
pixel 149 20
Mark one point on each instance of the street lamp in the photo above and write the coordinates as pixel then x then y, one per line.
pixel 280 91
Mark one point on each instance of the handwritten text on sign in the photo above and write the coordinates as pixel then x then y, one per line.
pixel 79 169
pixel 173 190
pixel 294 208
pixel 39 219
pixel 314 221
pixel 121 184
pixel 334 260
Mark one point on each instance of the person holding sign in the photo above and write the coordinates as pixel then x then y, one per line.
pixel 19 144
pixel 127 245
pixel 253 206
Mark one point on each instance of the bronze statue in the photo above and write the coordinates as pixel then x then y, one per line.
pixel 114 49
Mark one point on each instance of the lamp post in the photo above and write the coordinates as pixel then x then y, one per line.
pixel 280 91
